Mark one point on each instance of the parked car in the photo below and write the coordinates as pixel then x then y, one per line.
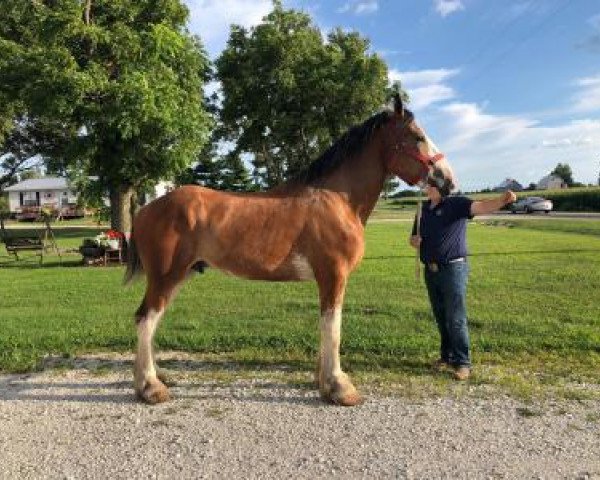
pixel 531 204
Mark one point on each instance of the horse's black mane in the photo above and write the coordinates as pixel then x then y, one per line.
pixel 348 145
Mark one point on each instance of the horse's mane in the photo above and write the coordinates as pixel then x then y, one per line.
pixel 347 146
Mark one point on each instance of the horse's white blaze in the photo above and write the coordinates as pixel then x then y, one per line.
pixel 303 269
pixel 431 147
pixel 443 163
pixel 331 322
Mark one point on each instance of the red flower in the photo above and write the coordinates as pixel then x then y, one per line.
pixel 115 235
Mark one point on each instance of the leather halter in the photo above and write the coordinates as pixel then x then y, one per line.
pixel 426 161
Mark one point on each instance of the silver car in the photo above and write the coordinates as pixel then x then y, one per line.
pixel 531 204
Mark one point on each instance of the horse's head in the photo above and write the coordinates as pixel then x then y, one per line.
pixel 411 155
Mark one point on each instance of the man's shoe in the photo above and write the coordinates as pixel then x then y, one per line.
pixel 462 373
pixel 440 365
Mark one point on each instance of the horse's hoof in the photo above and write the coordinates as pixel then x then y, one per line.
pixel 154 393
pixel 345 395
pixel 349 400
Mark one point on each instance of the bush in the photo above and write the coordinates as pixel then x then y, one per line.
pixel 575 200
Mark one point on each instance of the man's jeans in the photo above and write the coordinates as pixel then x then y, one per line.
pixel 447 290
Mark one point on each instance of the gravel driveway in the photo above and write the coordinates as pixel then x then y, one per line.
pixel 73 424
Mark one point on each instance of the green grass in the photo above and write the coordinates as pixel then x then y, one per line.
pixel 565 225
pixel 534 311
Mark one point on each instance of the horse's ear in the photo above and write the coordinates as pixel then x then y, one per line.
pixel 398 106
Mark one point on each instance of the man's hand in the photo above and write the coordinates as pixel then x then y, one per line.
pixel 509 197
pixel 415 241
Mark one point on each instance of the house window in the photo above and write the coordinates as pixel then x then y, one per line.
pixel 30 199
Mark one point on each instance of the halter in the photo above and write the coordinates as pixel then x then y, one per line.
pixel 426 161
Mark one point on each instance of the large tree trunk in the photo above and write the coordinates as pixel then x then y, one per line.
pixel 122 207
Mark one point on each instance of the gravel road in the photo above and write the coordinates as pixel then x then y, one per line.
pixel 74 424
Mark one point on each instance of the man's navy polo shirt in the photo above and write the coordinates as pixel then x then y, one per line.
pixel 444 229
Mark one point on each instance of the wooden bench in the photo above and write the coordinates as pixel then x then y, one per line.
pixel 14 245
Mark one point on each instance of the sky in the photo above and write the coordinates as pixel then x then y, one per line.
pixel 505 88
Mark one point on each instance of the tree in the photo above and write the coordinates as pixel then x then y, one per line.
pixel 217 170
pixel 119 84
pixel 288 94
pixel 390 185
pixel 564 171
pixel 22 140
pixel 235 174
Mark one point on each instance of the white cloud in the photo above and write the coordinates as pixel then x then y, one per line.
pixel 360 7
pixel 447 7
pixel 485 148
pixel 425 87
pixel 471 126
pixel 420 78
pixel 211 19
pixel 422 97
pixel 587 98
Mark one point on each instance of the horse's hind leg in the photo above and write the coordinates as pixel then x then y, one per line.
pixel 148 387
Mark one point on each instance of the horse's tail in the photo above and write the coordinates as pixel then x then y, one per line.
pixel 134 264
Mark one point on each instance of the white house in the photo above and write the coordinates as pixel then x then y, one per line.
pixel 52 192
pixel 27 197
pixel 551 182
pixel 160 189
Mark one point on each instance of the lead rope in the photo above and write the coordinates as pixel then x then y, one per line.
pixel 418 231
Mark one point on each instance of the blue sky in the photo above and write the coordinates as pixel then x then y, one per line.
pixel 506 88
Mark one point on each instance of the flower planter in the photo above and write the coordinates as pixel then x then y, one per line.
pixel 112 244
pixel 92 252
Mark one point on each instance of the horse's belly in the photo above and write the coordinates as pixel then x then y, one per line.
pixel 295 267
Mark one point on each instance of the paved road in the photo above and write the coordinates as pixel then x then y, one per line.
pixel 543 216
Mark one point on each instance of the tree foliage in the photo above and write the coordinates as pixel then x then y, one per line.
pixel 217 170
pixel 117 83
pixel 287 94
pixel 563 170
pixel 18 152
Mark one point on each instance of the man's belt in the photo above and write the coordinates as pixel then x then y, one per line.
pixel 436 266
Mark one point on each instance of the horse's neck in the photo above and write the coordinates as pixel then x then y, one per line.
pixel 361 181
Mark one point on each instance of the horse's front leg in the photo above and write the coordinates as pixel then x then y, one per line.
pixel 335 386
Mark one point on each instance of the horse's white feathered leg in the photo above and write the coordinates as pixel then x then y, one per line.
pixel 335 386
pixel 147 385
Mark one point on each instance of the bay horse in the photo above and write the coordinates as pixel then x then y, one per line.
pixel 309 228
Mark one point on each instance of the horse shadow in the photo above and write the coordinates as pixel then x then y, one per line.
pixel 48 386
pixel 44 388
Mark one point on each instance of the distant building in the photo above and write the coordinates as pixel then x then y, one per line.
pixel 28 196
pixel 551 182
pixel 160 189
pixel 509 184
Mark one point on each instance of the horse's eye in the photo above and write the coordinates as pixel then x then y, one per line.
pixel 420 138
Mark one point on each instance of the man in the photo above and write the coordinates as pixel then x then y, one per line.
pixel 441 238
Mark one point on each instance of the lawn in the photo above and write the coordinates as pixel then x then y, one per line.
pixel 534 312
